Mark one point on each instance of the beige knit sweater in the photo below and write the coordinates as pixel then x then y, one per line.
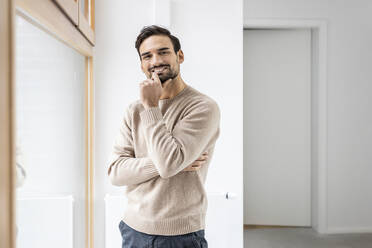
pixel 153 147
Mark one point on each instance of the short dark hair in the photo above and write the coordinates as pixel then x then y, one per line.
pixel 148 31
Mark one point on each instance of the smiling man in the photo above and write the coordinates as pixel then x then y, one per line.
pixel 163 151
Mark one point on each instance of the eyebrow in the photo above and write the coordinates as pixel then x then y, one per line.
pixel 160 49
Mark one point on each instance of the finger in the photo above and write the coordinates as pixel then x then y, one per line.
pixel 202 157
pixel 197 163
pixel 146 81
pixel 166 82
pixel 156 78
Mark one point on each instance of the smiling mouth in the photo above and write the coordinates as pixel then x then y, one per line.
pixel 159 69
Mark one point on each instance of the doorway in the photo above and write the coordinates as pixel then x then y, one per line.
pixel 284 124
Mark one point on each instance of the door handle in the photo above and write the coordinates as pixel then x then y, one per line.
pixel 226 195
pixel 230 195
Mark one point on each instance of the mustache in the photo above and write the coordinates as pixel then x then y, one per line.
pixel 154 67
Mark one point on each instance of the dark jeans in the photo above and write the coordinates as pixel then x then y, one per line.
pixel 135 239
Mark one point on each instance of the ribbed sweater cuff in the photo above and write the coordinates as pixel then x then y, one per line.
pixel 150 169
pixel 151 115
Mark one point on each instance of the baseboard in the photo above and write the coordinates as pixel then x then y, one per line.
pixel 270 226
pixel 336 230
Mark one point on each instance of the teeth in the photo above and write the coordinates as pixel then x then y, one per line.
pixel 159 69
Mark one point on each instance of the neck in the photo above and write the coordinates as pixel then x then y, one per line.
pixel 172 88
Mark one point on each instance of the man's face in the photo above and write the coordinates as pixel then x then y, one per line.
pixel 157 55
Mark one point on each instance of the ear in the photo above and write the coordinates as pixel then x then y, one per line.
pixel 181 56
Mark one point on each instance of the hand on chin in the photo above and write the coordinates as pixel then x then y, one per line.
pixel 167 84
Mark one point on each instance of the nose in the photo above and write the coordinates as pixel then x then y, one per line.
pixel 156 60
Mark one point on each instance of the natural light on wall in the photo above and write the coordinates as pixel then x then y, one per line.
pixel 50 130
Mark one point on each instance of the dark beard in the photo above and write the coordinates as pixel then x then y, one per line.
pixel 164 77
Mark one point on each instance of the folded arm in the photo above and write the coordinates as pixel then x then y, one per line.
pixel 123 168
pixel 172 152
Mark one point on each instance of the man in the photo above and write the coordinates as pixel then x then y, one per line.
pixel 163 150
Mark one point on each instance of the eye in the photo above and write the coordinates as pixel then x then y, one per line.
pixel 146 57
pixel 163 52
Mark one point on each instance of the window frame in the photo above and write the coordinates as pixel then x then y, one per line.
pixel 48 16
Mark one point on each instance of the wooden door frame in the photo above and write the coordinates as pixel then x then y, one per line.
pixel 319 83
pixel 7 146
pixel 48 17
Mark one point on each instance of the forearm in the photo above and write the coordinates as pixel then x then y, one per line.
pixel 173 152
pixel 125 171
pixel 123 166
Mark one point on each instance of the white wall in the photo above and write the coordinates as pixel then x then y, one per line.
pixel 349 102
pixel 212 43
pixel 117 74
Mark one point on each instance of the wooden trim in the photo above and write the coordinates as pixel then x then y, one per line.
pixel 87 7
pixel 92 15
pixel 70 8
pixel 85 27
pixel 7 146
pixel 47 16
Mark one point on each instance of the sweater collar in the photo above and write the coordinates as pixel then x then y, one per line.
pixel 181 93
